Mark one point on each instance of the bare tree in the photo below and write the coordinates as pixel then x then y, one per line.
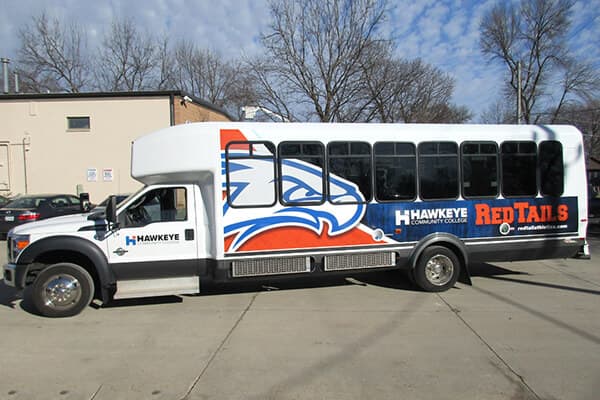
pixel 410 91
pixel 586 117
pixel 499 112
pixel 127 59
pixel 578 78
pixel 53 56
pixel 531 33
pixel 208 75
pixel 269 89
pixel 315 48
pixel 165 65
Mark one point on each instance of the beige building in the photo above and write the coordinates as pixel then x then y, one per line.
pixel 69 143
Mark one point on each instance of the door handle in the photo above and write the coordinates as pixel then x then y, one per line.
pixel 189 234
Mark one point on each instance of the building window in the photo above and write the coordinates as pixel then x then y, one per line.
pixel 78 123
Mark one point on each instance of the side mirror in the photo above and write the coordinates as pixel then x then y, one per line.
pixel 84 202
pixel 111 210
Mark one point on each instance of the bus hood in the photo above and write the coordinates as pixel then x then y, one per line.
pixel 64 224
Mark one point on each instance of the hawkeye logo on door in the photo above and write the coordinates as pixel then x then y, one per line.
pixel 164 238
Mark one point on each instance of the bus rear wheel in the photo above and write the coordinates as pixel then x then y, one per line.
pixel 437 269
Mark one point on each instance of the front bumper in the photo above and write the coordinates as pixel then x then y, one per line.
pixel 14 275
pixel 9 274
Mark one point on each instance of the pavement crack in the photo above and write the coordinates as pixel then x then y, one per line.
pixel 456 312
pixel 221 345
pixel 96 392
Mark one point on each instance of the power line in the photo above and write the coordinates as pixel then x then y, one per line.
pixel 567 111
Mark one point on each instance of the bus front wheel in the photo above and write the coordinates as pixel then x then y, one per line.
pixel 62 290
pixel 437 269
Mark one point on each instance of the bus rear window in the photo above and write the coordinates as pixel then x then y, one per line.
pixel 551 168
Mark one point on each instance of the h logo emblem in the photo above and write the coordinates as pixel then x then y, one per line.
pixel 130 240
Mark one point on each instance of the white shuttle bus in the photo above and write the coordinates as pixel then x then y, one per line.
pixel 235 201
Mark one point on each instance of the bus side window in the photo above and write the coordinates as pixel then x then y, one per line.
pixel 479 169
pixel 438 170
pixel 551 168
pixel 519 162
pixel 395 171
pixel 352 162
pixel 250 180
pixel 302 180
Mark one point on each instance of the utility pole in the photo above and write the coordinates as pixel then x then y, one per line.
pixel 519 111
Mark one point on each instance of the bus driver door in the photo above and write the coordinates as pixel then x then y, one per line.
pixel 155 250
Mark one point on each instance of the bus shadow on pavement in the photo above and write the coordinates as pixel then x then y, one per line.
pixel 142 301
pixel 490 271
pixel 9 296
pixel 389 279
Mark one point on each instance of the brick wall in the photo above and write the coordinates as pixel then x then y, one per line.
pixel 192 112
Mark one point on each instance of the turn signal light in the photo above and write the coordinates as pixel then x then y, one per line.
pixel 21 244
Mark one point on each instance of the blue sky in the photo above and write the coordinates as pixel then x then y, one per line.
pixel 444 33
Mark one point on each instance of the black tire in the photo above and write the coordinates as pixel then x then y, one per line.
pixel 61 290
pixel 437 269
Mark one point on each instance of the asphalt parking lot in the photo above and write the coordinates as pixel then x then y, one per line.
pixel 527 330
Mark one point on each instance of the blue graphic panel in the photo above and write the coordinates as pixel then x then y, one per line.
pixel 474 218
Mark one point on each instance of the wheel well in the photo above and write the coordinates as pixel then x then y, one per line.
pixel 465 276
pixel 59 256
pixel 459 254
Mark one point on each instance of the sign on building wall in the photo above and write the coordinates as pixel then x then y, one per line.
pixel 92 174
pixel 107 174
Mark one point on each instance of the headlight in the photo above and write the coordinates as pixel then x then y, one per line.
pixel 16 244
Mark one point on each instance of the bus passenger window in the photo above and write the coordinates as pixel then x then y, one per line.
pixel 479 169
pixel 438 170
pixel 250 170
pixel 551 168
pixel 519 162
pixel 395 171
pixel 301 173
pixel 352 162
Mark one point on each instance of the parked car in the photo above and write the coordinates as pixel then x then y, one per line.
pixel 101 207
pixel 3 200
pixel 120 198
pixel 594 211
pixel 30 208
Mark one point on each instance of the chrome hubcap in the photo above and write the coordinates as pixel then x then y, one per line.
pixel 61 291
pixel 439 270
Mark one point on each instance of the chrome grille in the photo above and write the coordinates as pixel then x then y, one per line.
pixel 270 266
pixel 359 261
